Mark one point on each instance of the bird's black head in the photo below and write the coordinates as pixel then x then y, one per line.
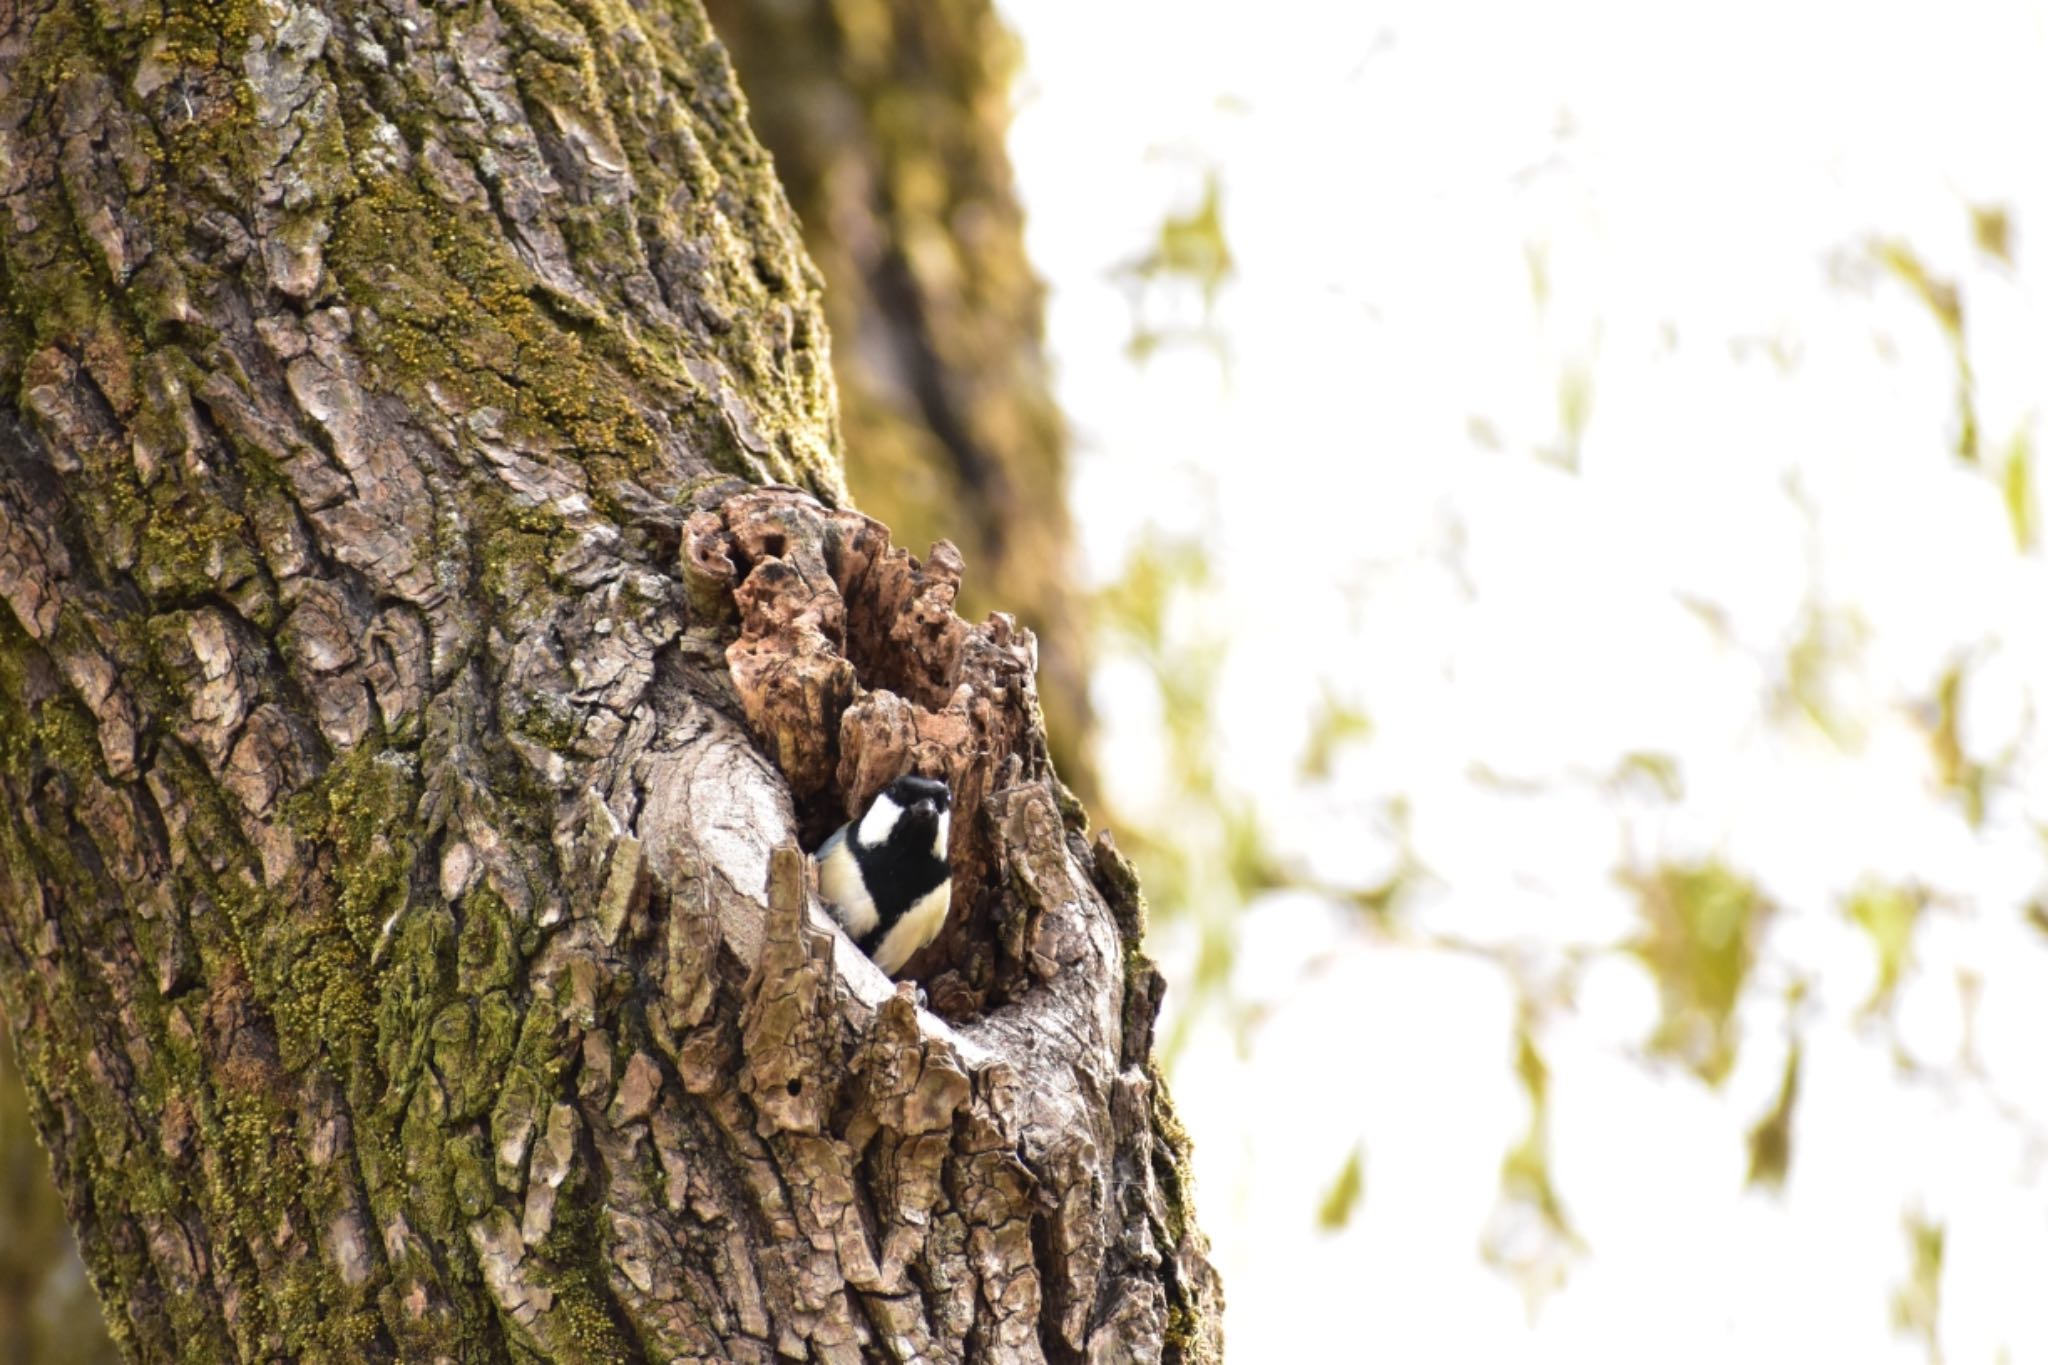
pixel 912 813
pixel 910 789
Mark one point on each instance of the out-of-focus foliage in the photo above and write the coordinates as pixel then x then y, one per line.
pixel 48 1313
pixel 1991 228
pixel 1889 914
pixel 1770 1141
pixel 1190 249
pixel 1335 725
pixel 1916 1304
pixel 2020 500
pixel 1702 924
pixel 1961 775
pixel 1574 411
pixel 1943 301
pixel 1658 772
pixel 1703 930
pixel 1529 1235
pixel 1345 1193
pixel 1205 857
pixel 1825 647
pixel 1134 615
pixel 1703 727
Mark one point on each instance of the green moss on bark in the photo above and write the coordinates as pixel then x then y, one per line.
pixel 449 306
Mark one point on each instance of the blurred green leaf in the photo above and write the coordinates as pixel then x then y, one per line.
pixel 1536 256
pixel 1916 1304
pixel 1702 924
pixel 1660 772
pixel 1189 249
pixel 1382 899
pixel 1991 229
pixel 1574 411
pixel 1944 302
pixel 1829 640
pixel 1888 914
pixel 1525 1177
pixel 1344 1193
pixel 1335 725
pixel 1530 1067
pixel 1770 1141
pixel 1529 1236
pixel 1710 614
pixel 1957 772
pixel 1133 606
pixel 2018 487
pixel 1192 245
pixel 2037 916
pixel 1247 857
pixel 1940 296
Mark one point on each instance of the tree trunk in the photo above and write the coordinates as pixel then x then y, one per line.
pixel 412 697
pixel 48 1315
pixel 888 121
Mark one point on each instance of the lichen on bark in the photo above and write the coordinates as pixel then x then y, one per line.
pixel 386 917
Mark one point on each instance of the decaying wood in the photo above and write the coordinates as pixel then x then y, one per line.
pixel 889 121
pixel 412 706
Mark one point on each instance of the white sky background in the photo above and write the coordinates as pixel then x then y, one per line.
pixel 1691 184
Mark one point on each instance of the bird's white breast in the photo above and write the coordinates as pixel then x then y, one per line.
pixel 920 925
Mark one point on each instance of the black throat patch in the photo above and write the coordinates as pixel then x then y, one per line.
pixel 903 869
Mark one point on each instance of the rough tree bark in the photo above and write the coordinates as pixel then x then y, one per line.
pixel 888 121
pixel 412 695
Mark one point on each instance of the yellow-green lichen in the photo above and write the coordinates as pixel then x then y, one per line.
pixel 454 309
pixel 488 953
pixel 363 806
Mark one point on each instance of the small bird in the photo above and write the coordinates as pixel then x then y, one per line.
pixel 885 876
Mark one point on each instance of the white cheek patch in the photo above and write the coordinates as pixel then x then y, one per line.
pixel 880 819
pixel 939 840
